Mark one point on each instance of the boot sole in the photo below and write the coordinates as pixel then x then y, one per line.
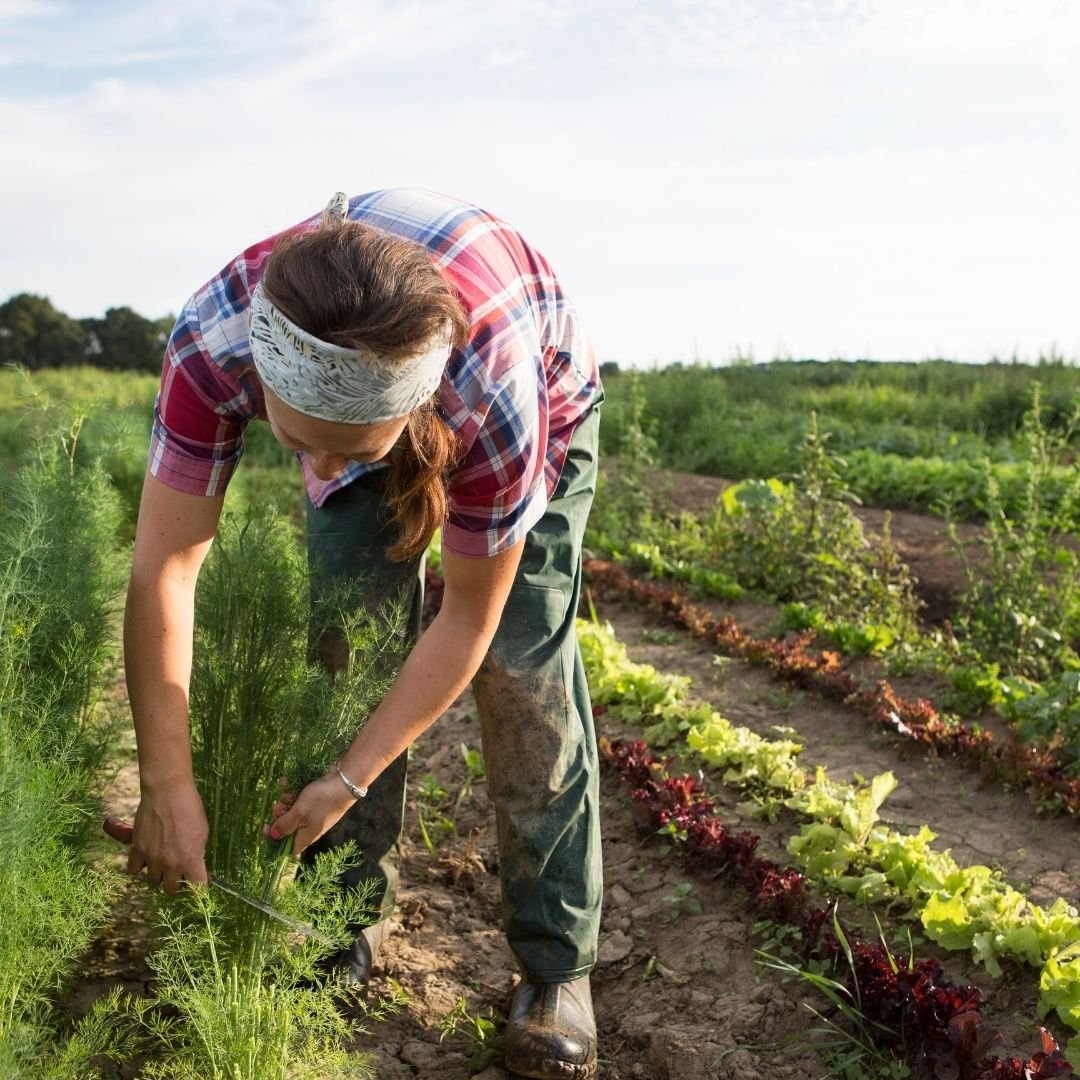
pixel 551 1070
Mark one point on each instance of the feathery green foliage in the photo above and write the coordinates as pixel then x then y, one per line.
pixel 59 579
pixel 62 571
pixel 248 999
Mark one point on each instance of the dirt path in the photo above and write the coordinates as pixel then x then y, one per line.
pixel 676 992
pixel 676 995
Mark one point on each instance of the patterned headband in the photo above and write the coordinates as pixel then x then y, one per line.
pixel 329 382
pixel 349 386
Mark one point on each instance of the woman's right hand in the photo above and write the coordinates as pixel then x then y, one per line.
pixel 170 837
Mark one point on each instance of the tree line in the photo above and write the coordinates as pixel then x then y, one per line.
pixel 36 335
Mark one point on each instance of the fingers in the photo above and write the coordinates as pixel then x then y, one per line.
pixel 136 862
pixel 307 816
pixel 302 838
pixel 285 822
pixel 293 823
pixel 169 876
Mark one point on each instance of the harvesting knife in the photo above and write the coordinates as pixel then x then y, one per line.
pixel 122 831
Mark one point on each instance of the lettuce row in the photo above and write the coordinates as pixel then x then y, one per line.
pixel 633 692
pixel 844 845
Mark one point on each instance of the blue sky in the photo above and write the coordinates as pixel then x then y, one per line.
pixel 884 178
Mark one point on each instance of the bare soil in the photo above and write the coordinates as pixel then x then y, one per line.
pixel 677 991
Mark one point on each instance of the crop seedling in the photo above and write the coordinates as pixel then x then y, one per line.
pixel 432 819
pixel 780 940
pixel 474 774
pixel 654 969
pixel 483 1033
pixel 681 903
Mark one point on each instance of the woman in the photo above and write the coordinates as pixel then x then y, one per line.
pixel 424 364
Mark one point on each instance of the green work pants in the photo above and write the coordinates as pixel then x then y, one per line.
pixel 539 744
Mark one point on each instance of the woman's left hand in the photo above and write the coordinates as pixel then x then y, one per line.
pixel 305 817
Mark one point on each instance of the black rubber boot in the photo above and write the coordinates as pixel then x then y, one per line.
pixel 353 965
pixel 551 1033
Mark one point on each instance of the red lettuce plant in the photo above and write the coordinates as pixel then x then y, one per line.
pixel 940 1025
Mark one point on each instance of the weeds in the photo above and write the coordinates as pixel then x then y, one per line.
pixel 853 1045
pixel 800 541
pixel 473 760
pixel 1021 609
pixel 797 542
pixel 435 824
pixel 681 903
pixel 483 1033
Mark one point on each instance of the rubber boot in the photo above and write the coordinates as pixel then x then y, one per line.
pixel 551 1032
pixel 353 965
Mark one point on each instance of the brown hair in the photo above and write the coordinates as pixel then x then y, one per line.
pixel 358 287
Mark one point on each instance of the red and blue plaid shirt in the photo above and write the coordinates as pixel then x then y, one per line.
pixel 513 395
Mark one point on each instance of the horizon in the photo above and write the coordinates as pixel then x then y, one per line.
pixel 710 178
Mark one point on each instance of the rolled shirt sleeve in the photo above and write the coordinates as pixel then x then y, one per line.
pixel 209 390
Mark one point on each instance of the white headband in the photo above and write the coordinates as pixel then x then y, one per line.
pixel 329 382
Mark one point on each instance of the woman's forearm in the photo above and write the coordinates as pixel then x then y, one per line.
pixel 174 533
pixel 440 666
pixel 158 626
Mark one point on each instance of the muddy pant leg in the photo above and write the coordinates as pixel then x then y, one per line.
pixel 540 745
pixel 346 540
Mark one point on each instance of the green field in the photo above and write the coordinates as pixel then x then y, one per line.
pixel 916 435
pixel 835 616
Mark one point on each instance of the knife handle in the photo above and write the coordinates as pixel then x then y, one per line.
pixel 118 830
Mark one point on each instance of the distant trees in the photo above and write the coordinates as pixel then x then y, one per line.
pixel 36 335
pixel 124 339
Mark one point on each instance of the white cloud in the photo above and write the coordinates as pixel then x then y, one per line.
pixel 504 57
pixel 731 173
pixel 10 10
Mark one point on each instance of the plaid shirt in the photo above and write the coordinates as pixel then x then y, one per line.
pixel 513 395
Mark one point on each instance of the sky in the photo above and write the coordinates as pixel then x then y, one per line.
pixel 711 179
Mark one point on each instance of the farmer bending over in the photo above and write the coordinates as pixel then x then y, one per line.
pixel 424 364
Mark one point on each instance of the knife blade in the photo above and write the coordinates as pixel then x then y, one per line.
pixel 123 831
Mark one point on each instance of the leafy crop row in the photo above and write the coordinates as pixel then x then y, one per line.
pixel 786 541
pixel 911 434
pixel 1039 770
pixel 940 1024
pixel 844 846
